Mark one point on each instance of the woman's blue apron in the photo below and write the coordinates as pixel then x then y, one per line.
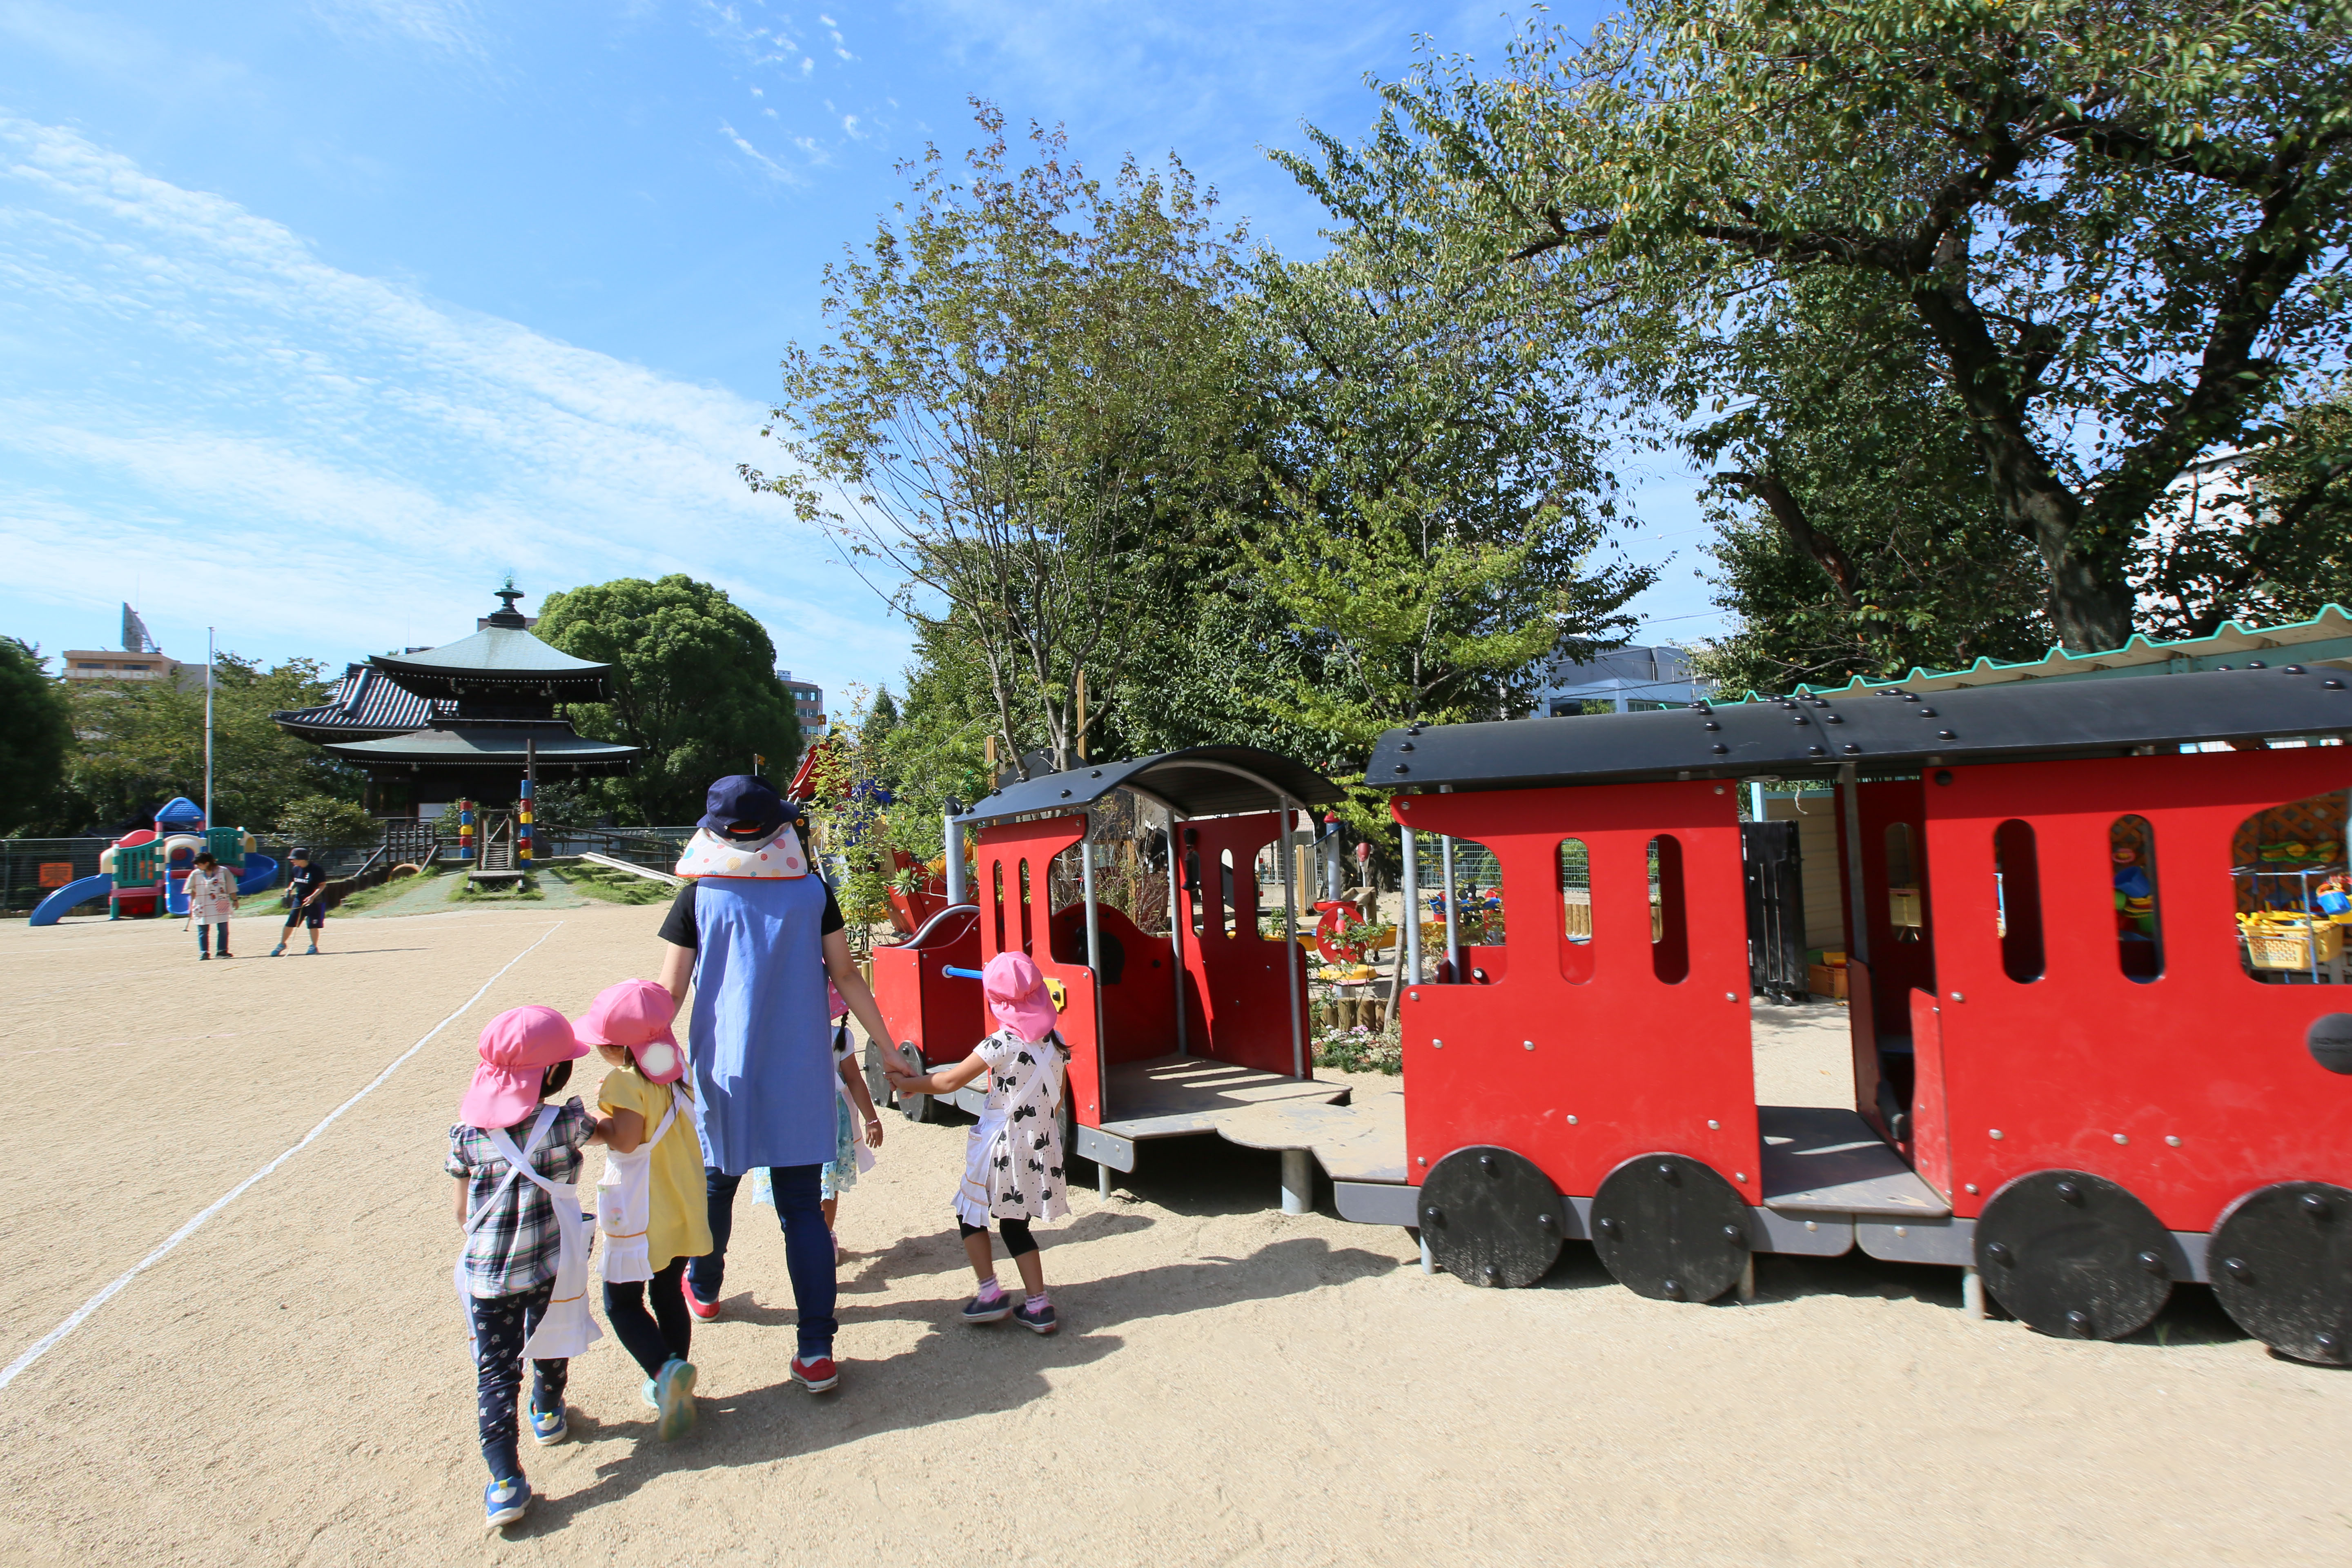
pixel 758 1036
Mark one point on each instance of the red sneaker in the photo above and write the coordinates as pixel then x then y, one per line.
pixel 701 1309
pixel 816 1373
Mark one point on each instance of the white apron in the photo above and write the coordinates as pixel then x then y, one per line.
pixel 567 1328
pixel 844 1051
pixel 624 1205
pixel 984 1183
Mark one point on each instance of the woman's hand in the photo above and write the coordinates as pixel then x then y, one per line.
pixel 906 1082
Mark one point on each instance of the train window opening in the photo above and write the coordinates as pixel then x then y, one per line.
pixel 1576 911
pixel 996 900
pixel 1469 872
pixel 1905 908
pixel 2017 883
pixel 1195 895
pixel 2294 893
pixel 1669 921
pixel 1227 902
pixel 1024 908
pixel 2139 935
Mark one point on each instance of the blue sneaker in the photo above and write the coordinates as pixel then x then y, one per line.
pixel 503 1502
pixel 674 1398
pixel 1037 1319
pixel 650 1395
pixel 549 1427
pixel 990 1306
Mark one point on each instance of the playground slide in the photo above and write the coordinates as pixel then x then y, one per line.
pixel 65 899
pixel 261 871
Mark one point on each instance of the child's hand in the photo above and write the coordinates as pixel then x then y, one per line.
pixel 874 1133
pixel 904 1082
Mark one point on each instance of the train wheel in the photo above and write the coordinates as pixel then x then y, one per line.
pixel 1491 1217
pixel 2075 1255
pixel 2280 1261
pixel 1668 1227
pixel 913 1107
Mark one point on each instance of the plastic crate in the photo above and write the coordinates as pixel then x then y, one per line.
pixel 2290 947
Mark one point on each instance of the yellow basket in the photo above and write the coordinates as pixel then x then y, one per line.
pixel 2289 946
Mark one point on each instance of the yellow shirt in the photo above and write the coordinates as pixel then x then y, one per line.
pixel 679 1220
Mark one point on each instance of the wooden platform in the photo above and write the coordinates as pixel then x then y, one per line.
pixel 1822 1160
pixel 1171 1096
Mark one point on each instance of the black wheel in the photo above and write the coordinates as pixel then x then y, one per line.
pixel 1490 1217
pixel 1668 1227
pixel 2280 1261
pixel 2075 1255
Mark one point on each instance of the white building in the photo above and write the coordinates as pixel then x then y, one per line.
pixel 1625 680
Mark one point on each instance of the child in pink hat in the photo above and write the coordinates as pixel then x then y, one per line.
pixel 522 1276
pixel 1012 1160
pixel 650 1204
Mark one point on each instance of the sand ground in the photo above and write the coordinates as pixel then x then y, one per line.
pixel 290 1384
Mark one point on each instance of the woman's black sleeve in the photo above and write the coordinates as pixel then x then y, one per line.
pixel 677 927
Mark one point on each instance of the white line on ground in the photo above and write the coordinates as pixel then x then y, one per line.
pixel 48 1342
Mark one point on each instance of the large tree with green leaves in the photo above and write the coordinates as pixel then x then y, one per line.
pixel 694 683
pixel 1435 493
pixel 138 745
pixel 2122 228
pixel 1025 394
pixel 35 735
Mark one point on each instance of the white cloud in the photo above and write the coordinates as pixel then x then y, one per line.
pixel 446 24
pixel 325 463
pixel 781 172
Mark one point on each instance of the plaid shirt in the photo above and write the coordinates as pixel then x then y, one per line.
pixel 514 1248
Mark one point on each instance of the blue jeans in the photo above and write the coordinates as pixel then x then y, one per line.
pixel 808 1247
pixel 205 937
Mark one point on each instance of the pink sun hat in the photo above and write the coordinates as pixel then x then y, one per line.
pixel 1017 995
pixel 636 1015
pixel 517 1047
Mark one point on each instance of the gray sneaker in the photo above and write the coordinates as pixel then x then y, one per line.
pixel 1041 1320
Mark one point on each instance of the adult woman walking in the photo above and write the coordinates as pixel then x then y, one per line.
pixel 758 933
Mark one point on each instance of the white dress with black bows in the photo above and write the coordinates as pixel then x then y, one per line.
pixel 1012 1161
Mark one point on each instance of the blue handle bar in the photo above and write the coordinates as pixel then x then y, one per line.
pixel 960 974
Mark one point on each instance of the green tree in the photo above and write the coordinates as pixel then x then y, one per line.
pixel 694 683
pixel 2123 228
pixel 138 745
pixel 320 821
pixel 1436 494
pixel 1025 394
pixel 35 735
pixel 1857 529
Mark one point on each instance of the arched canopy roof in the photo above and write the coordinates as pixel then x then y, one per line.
pixel 1199 781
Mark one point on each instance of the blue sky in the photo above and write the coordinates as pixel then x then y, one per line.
pixel 317 318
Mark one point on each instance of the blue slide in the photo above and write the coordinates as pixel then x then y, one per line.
pixel 261 871
pixel 47 911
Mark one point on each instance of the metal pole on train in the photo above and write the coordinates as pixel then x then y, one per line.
pixel 1291 962
pixel 1094 969
pixel 1411 920
pixel 951 846
pixel 1176 929
pixel 1453 929
pixel 1857 904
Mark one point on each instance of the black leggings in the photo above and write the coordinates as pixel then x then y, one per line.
pixel 501 1325
pixel 652 1337
pixel 1018 1242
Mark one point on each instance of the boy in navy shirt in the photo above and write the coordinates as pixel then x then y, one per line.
pixel 306 898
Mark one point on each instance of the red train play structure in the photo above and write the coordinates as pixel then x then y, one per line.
pixel 2077 1105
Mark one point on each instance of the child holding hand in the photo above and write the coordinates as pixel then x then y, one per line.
pixel 650 1204
pixel 1012 1160
pixel 522 1276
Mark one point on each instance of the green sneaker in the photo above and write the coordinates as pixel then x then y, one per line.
pixel 673 1390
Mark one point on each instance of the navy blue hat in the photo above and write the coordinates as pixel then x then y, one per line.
pixel 742 806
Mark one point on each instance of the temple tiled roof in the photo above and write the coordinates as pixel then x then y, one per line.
pixel 364 706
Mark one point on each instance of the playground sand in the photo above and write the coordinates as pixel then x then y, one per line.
pixel 291 1385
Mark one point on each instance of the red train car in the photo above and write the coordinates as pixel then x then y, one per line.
pixel 1170 1033
pixel 2078 1107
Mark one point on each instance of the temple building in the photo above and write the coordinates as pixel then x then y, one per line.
pixel 432 726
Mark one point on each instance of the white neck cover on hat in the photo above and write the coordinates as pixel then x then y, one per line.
pixel 708 854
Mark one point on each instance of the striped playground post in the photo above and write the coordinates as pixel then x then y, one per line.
pixel 522 824
pixel 465 830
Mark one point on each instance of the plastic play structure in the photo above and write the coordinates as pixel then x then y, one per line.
pixel 144 873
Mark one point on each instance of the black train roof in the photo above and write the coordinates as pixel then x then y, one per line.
pixel 1199 781
pixel 1897 730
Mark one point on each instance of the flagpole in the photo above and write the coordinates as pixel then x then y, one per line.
pixel 210 659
